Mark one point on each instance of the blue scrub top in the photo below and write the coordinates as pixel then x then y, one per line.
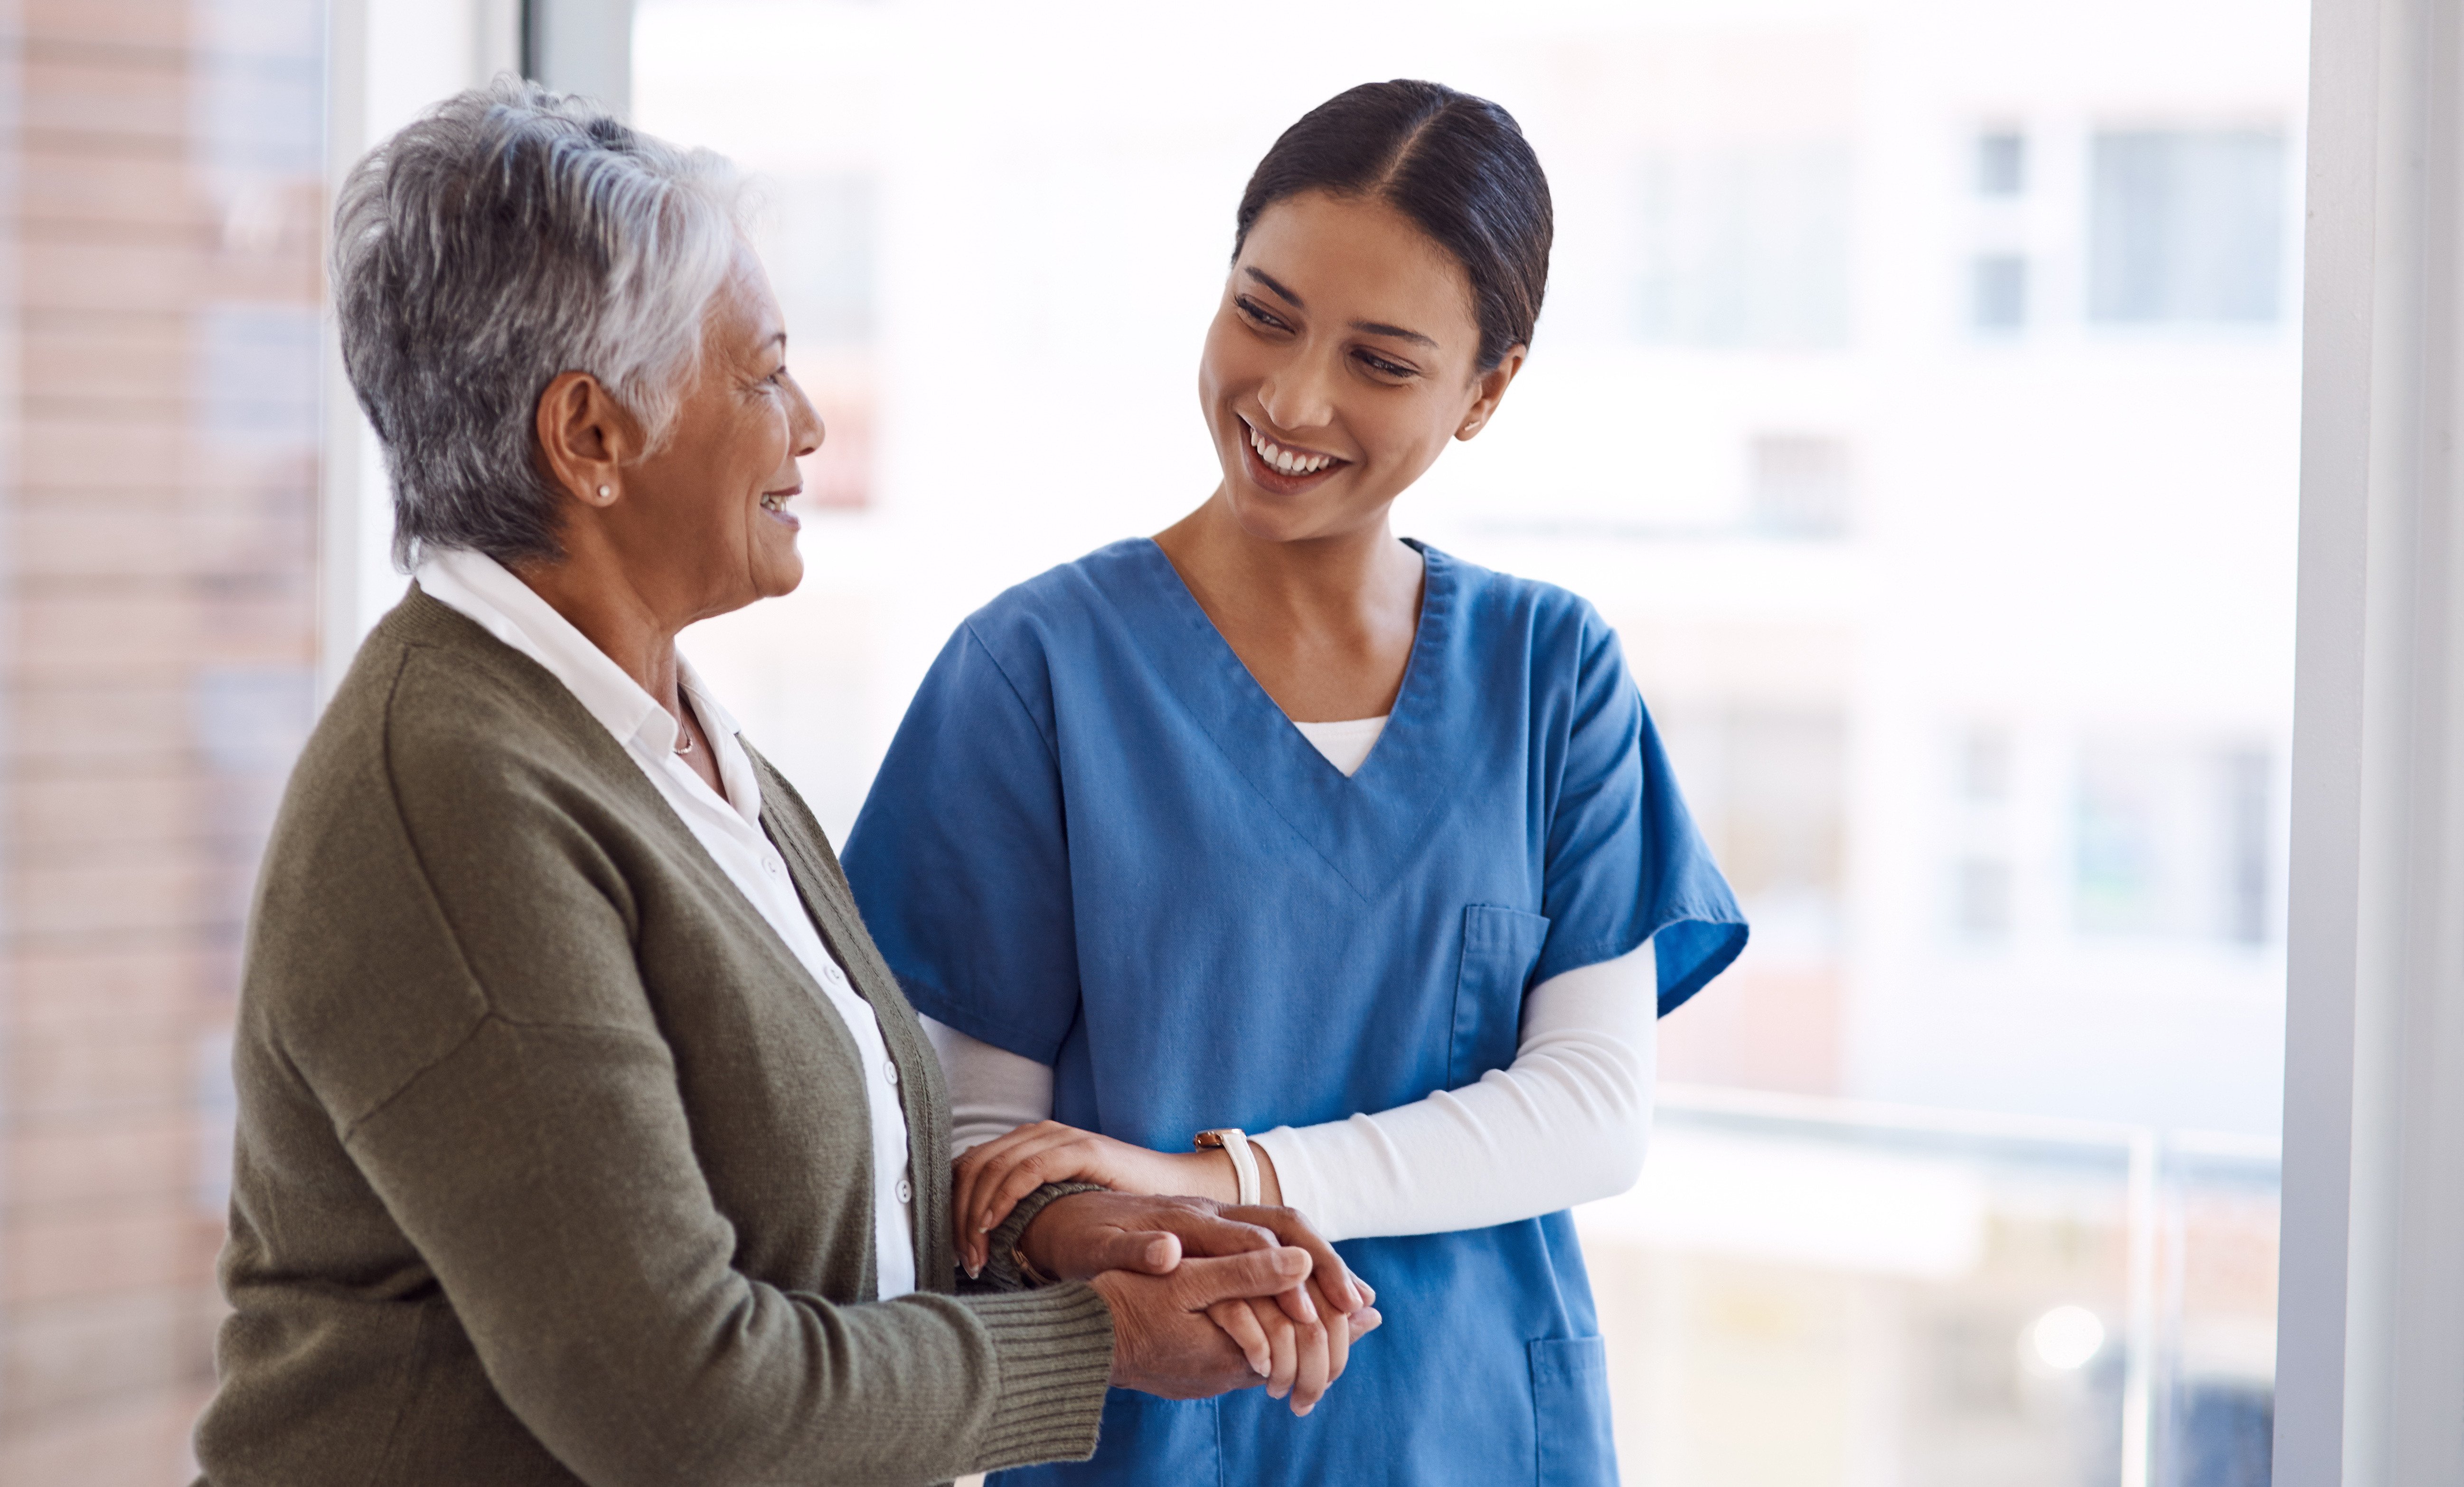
pixel 1097 842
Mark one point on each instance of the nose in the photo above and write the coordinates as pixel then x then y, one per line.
pixel 1300 394
pixel 805 431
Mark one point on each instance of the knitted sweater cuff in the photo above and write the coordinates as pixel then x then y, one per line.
pixel 1053 1351
pixel 1000 1265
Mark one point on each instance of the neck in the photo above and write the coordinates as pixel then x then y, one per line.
pixel 1336 581
pixel 598 597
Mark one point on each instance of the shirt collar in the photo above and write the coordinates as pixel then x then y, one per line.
pixel 487 592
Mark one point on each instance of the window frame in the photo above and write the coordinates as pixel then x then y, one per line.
pixel 2370 1309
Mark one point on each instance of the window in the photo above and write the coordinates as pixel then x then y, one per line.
pixel 2187 227
pixel 1999 291
pixel 1984 766
pixel 161 591
pixel 256 375
pixel 1746 246
pixel 1801 486
pixel 1983 903
pixel 2001 164
pixel 2174 840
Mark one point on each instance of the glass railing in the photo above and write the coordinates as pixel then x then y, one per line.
pixel 1804 1292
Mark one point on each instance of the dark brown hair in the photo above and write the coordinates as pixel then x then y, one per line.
pixel 1457 165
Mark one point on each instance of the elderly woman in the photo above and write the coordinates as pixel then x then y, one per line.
pixel 582 1134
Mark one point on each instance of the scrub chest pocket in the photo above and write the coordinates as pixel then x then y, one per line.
pixel 1501 947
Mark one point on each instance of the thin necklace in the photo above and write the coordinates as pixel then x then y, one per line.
pixel 684 739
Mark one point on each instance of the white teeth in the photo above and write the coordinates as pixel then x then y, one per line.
pixel 1285 460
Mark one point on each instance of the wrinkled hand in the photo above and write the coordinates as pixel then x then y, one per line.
pixel 1298 1341
pixel 988 1180
pixel 1076 1236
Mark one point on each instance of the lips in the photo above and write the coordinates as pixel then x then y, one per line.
pixel 775 503
pixel 1281 468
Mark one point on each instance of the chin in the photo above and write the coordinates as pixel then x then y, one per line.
pixel 779 579
pixel 1268 517
pixel 769 575
pixel 1263 523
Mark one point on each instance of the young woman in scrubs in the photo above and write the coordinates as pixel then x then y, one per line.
pixel 1277 823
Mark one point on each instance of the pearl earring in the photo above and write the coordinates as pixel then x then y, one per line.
pixel 603 493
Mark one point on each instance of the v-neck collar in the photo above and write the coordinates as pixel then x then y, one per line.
pixel 1366 827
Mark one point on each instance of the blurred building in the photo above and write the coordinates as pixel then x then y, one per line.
pixel 163 168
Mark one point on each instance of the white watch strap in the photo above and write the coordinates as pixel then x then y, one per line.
pixel 1234 1142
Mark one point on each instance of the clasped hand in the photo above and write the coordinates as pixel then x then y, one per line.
pixel 1208 1297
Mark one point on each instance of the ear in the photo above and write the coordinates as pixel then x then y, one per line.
pixel 585 439
pixel 1488 390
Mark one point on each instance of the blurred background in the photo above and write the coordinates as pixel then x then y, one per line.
pixel 1917 394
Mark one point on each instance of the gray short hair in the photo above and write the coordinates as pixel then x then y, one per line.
pixel 509 236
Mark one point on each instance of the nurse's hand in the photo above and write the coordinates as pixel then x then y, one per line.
pixel 988 1180
pixel 1299 1362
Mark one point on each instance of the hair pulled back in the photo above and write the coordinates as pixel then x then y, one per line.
pixel 1456 165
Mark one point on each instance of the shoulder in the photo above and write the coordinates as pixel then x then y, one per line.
pixel 1073 601
pixel 449 743
pixel 1556 631
pixel 440 715
pixel 1063 618
pixel 451 813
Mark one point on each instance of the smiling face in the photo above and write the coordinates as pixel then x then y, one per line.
pixel 1342 358
pixel 707 514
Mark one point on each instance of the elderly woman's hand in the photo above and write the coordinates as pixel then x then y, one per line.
pixel 990 1179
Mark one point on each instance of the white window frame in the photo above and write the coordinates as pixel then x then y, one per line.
pixel 2371 1318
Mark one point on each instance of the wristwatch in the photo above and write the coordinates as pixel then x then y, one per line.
pixel 1234 1142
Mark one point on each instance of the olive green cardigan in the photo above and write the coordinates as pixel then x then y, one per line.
pixel 553 1161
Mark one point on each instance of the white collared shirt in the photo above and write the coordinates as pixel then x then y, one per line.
pixel 729 830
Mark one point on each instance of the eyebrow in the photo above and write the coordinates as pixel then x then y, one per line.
pixel 1369 327
pixel 1378 328
pixel 1288 297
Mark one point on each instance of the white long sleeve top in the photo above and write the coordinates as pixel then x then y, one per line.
pixel 728 829
pixel 1566 1122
